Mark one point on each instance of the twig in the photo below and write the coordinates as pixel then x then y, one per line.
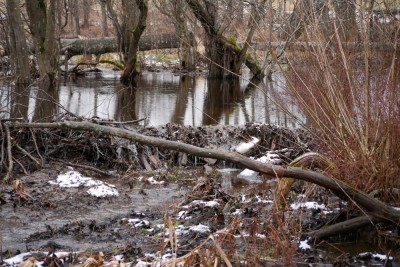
pixel 2 148
pixel 22 166
pixel 121 122
pixel 86 167
pixel 9 154
pixel 26 153
pixel 36 146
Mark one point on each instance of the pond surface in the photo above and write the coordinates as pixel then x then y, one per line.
pixel 160 98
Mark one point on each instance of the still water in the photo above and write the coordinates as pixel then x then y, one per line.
pixel 160 98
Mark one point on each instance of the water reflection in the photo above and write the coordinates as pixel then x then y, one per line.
pixel 161 98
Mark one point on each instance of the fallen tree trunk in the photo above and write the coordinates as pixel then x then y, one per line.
pixel 374 209
pixel 99 46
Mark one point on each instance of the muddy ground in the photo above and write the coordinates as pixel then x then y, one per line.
pixel 202 197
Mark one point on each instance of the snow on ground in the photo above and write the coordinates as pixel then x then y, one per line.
pixel 243 148
pixel 28 259
pixel 304 245
pixel 270 157
pixel 76 179
pixel 307 205
pixel 150 180
pixel 375 256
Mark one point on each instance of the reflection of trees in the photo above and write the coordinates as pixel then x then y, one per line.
pixel 248 92
pixel 20 101
pixel 46 104
pixel 182 99
pixel 126 104
pixel 221 94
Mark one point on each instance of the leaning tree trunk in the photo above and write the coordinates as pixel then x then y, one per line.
pixel 42 25
pixel 19 48
pixel 130 71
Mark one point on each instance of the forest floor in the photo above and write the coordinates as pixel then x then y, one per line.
pixel 161 203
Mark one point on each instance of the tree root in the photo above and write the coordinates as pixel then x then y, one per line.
pixel 374 210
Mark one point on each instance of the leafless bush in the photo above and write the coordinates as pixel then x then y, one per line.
pixel 350 94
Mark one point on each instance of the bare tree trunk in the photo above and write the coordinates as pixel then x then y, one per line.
pixel 176 11
pixel 187 50
pixel 19 49
pixel 75 13
pixel 42 20
pixel 86 13
pixel 130 72
pixel 104 27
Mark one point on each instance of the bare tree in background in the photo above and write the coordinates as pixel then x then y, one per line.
pixel 177 11
pixel 18 47
pixel 225 55
pixel 104 27
pixel 86 12
pixel 74 7
pixel 42 24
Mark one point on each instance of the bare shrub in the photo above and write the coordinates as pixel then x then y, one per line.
pixel 350 94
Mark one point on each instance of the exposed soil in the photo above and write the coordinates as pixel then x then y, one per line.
pixel 200 196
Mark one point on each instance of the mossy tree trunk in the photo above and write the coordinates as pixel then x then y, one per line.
pixel 225 56
pixel 42 19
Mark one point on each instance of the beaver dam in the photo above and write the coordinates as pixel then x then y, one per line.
pixel 74 196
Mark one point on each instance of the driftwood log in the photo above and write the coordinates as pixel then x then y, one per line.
pixel 373 209
pixel 99 46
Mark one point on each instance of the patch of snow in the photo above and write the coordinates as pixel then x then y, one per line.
pixel 265 201
pixel 103 190
pixel 200 228
pixel 237 212
pixel 244 200
pixel 76 179
pixel 141 263
pixel 247 173
pixel 184 230
pixel 381 257
pixel 119 257
pixel 18 259
pixel 304 245
pixel 245 147
pixel 375 256
pixel 270 157
pixel 210 204
pixel 151 180
pixel 137 223
pixel 307 205
pixel 181 215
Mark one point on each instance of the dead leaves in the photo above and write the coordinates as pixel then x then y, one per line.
pixel 19 188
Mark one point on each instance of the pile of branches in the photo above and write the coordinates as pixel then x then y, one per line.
pixel 26 149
